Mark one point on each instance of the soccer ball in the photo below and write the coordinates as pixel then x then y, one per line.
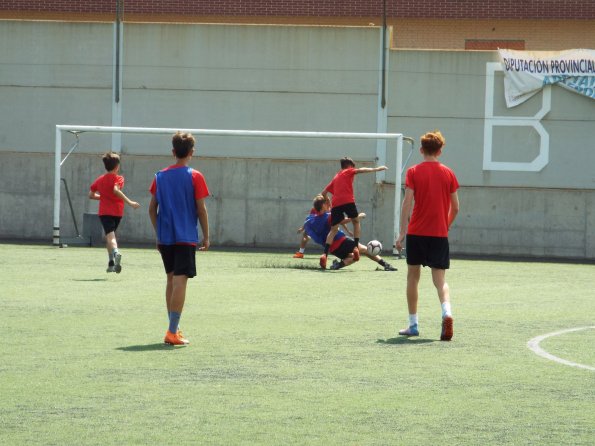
pixel 374 247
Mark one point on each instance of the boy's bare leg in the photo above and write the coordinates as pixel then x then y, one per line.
pixel 175 295
pixel 168 291
pixel 357 228
pixel 356 233
pixel 331 235
pixel 111 244
pixel 439 279
pixel 329 240
pixel 413 275
pixel 178 293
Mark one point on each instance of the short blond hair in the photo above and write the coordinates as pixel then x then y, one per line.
pixel 318 202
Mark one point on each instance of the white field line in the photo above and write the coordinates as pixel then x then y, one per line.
pixel 533 344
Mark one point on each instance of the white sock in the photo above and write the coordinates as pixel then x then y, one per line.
pixel 412 319
pixel 446 309
pixel 302 250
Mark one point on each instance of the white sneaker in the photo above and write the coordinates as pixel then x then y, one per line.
pixel 117 263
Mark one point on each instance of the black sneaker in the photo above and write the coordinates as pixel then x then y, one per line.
pixel 335 265
pixel 389 267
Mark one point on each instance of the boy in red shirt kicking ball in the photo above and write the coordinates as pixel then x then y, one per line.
pixel 343 204
pixel 433 188
pixel 108 190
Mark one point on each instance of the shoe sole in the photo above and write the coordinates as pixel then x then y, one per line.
pixel 408 334
pixel 175 343
pixel 447 329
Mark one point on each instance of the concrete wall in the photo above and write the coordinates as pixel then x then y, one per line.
pixel 282 78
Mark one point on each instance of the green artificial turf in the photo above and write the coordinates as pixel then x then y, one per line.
pixel 282 353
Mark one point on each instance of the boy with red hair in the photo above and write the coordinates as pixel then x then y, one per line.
pixel 433 188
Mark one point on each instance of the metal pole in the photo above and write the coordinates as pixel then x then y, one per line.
pixel 57 156
pixel 383 103
pixel 397 220
pixel 117 80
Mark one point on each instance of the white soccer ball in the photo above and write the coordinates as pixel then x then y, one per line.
pixel 374 247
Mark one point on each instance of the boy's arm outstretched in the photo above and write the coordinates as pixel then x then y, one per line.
pixel 127 200
pixel 370 169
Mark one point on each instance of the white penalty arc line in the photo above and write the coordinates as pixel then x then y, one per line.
pixel 533 344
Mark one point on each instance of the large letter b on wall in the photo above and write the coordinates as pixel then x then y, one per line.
pixel 491 121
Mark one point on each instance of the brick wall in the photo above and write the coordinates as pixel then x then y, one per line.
pixel 453 9
pixel 537 35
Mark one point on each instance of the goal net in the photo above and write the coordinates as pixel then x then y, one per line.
pixel 386 142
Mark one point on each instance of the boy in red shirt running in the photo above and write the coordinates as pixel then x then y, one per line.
pixel 108 190
pixel 341 187
pixel 433 188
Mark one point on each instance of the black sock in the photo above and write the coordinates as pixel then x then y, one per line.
pixel 382 262
pixel 356 240
pixel 327 247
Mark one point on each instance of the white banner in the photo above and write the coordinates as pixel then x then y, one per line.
pixel 527 72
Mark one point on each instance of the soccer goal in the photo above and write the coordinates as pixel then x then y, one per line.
pixel 395 138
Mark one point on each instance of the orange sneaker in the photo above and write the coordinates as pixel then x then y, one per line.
pixel 323 261
pixel 355 254
pixel 298 255
pixel 447 328
pixel 175 339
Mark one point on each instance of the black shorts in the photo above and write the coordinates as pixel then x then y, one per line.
pixel 338 213
pixel 179 259
pixel 110 223
pixel 344 248
pixel 428 251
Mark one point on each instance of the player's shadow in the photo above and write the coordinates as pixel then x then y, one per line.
pixel 404 340
pixel 148 347
pixel 89 280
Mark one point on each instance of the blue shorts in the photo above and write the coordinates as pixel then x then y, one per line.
pixel 428 251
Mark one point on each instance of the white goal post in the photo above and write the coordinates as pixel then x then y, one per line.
pixel 76 129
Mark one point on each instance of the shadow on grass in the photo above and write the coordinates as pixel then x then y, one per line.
pixel 277 265
pixel 89 280
pixel 149 347
pixel 404 340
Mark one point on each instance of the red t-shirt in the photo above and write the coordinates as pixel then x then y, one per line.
pixel 109 203
pixel 432 184
pixel 341 186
